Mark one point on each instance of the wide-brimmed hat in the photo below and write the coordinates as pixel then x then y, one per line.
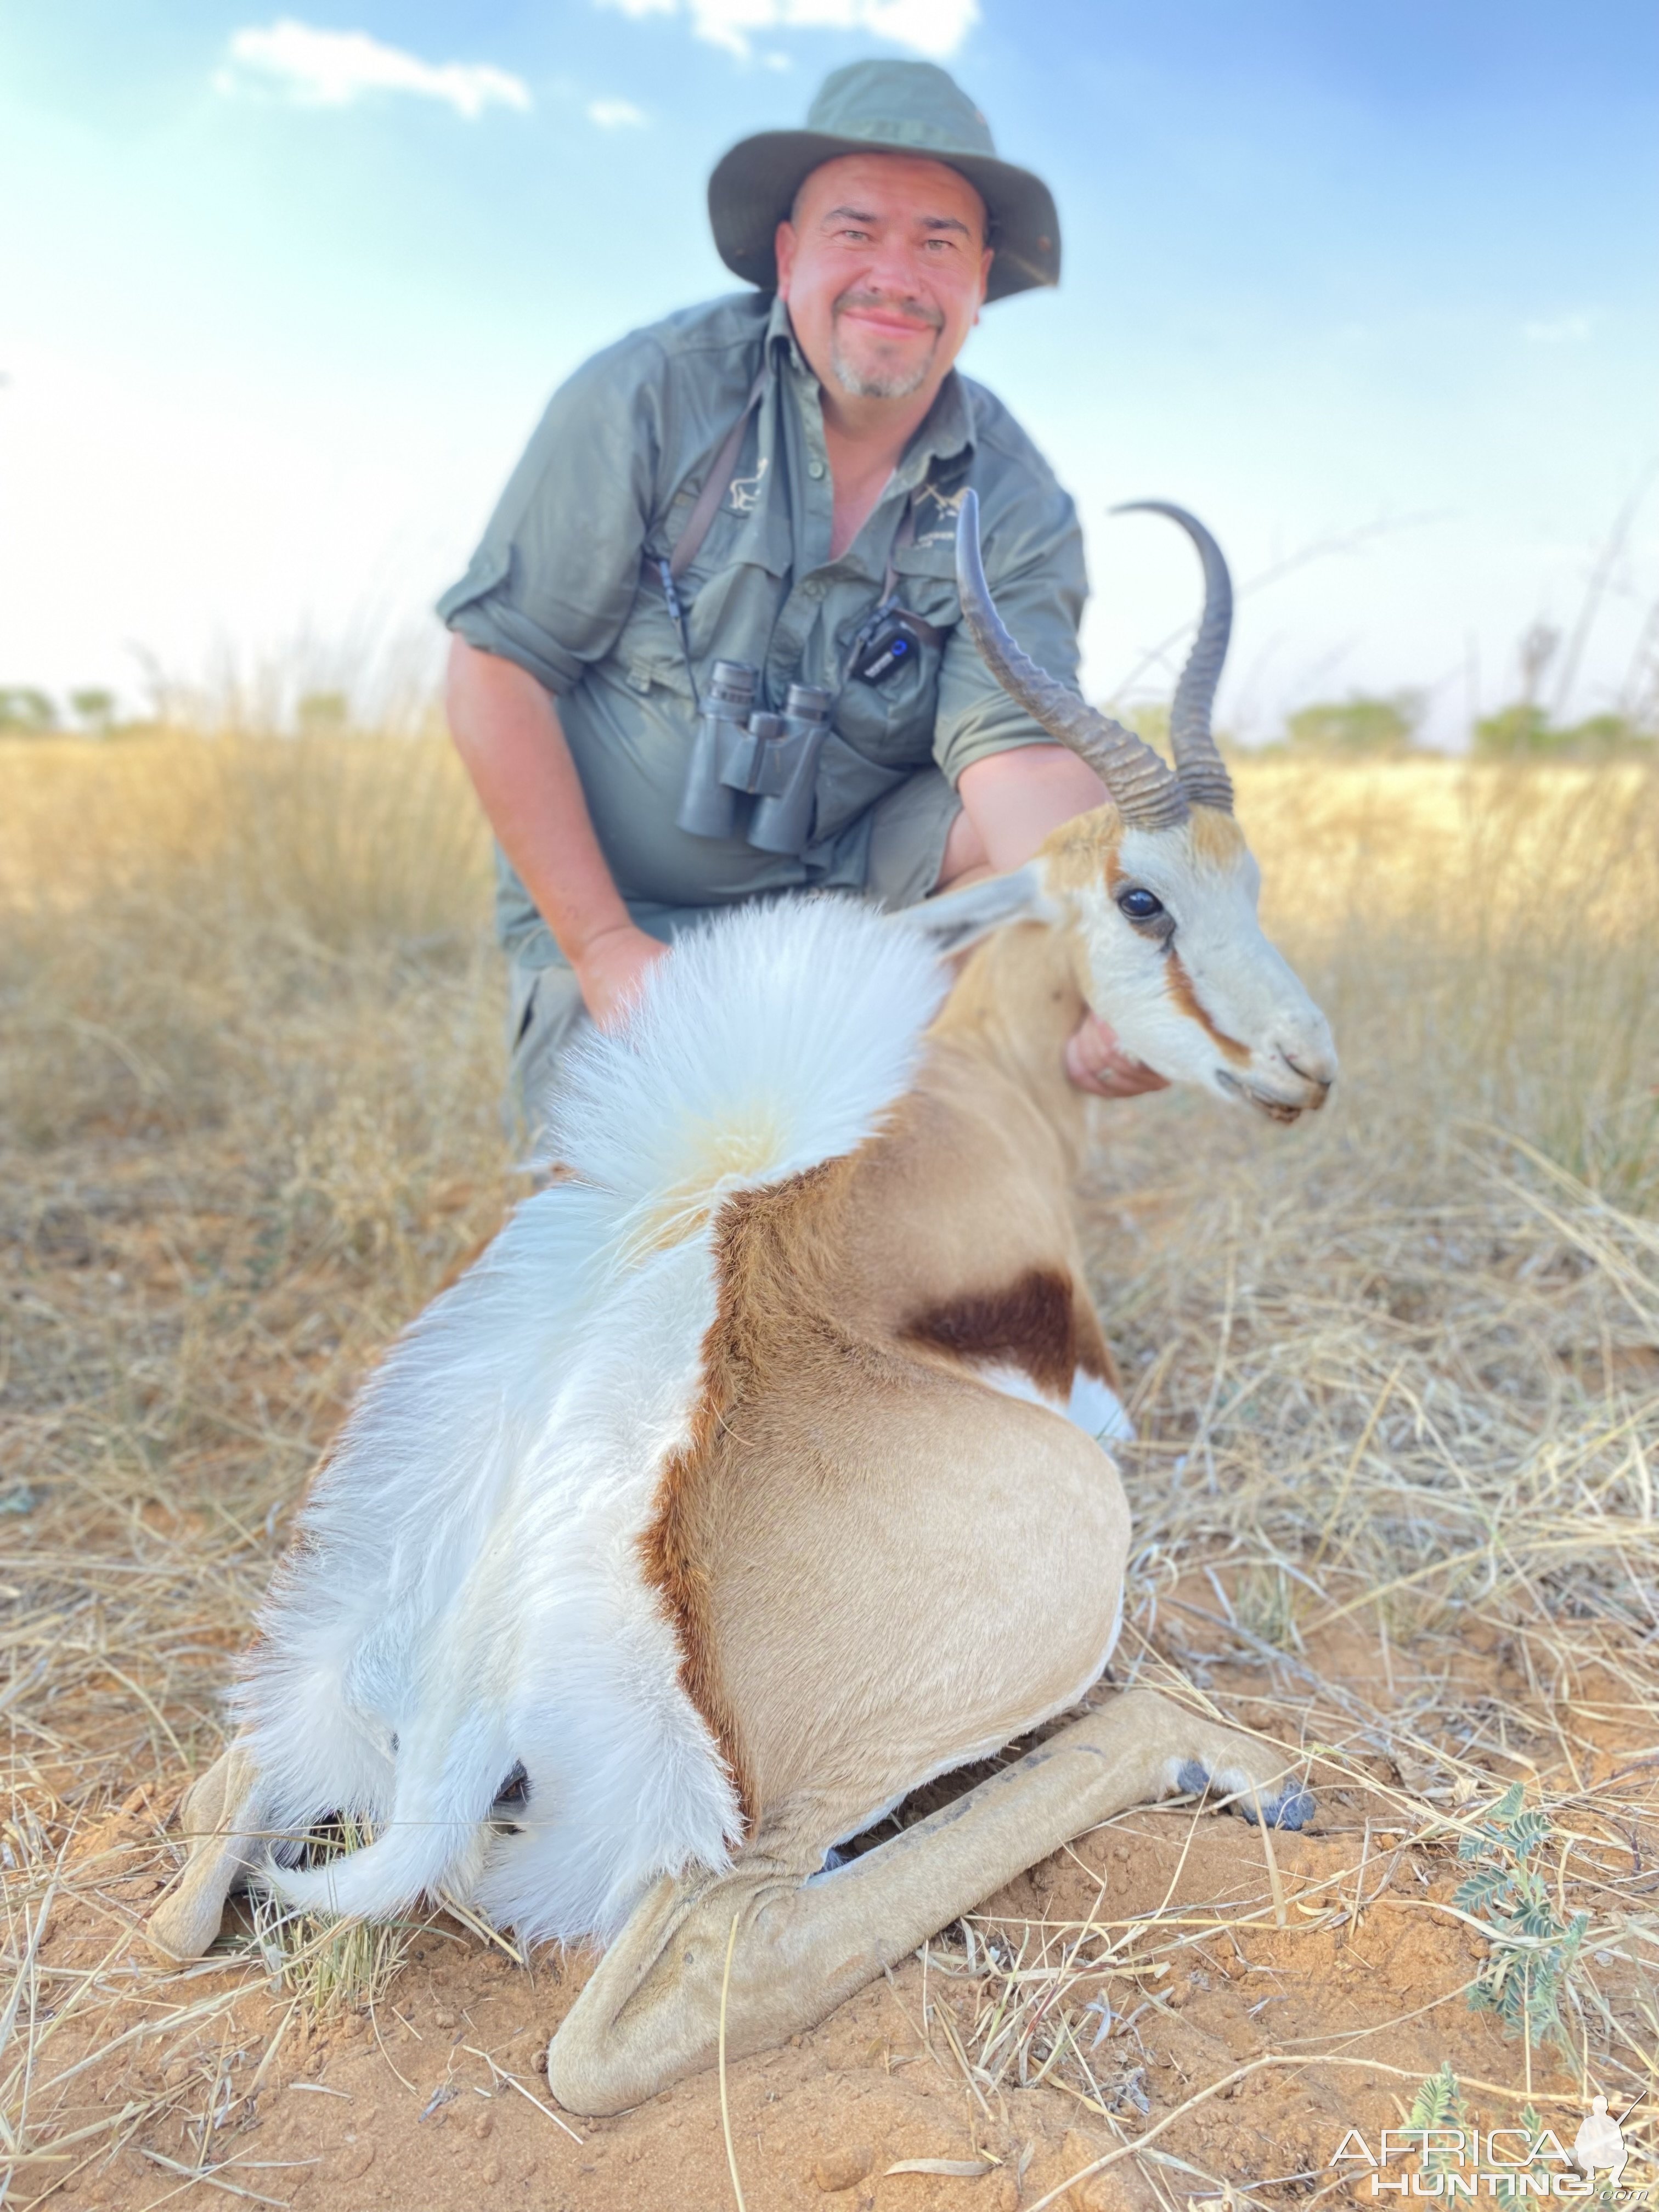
pixel 883 107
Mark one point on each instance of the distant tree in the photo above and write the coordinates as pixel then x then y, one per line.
pixel 1600 736
pixel 94 709
pixel 27 711
pixel 1522 727
pixel 1362 725
pixel 321 711
pixel 1525 730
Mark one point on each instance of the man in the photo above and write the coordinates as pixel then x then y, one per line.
pixel 825 418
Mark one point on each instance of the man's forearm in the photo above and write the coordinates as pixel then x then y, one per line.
pixel 1013 799
pixel 506 728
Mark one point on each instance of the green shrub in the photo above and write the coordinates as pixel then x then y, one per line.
pixel 1525 730
pixel 26 711
pixel 1361 724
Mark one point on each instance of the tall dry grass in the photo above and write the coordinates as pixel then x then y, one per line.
pixel 1397 1370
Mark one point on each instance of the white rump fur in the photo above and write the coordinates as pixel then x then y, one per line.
pixel 466 1592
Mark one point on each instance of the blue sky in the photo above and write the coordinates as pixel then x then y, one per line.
pixel 279 305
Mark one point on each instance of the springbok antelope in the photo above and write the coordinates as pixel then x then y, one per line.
pixel 752 1477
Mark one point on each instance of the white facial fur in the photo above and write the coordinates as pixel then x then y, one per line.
pixel 1210 1002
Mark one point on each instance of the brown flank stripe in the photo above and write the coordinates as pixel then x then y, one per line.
pixel 673 1546
pixel 1033 1323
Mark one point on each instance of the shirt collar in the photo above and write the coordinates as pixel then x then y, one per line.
pixel 946 430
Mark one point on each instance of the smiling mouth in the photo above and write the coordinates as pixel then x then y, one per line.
pixel 1276 1109
pixel 877 315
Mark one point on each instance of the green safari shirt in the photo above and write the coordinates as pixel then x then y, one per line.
pixel 610 475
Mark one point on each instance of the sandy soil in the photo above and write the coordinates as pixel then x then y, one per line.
pixel 1265 2041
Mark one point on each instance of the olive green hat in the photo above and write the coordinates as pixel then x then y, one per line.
pixel 885 108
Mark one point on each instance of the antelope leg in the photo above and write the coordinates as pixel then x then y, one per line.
pixel 221 1819
pixel 805 1943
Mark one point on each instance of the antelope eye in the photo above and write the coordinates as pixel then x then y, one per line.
pixel 1140 905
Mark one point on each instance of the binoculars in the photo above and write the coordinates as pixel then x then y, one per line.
pixel 741 749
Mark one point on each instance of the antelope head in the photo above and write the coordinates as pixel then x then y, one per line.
pixel 1158 890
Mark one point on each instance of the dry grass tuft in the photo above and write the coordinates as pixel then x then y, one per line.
pixel 329 1967
pixel 1396 1373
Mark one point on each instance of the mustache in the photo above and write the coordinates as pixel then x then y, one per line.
pixel 918 312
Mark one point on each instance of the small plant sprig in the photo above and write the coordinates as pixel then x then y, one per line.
pixel 1438 2103
pixel 1438 2106
pixel 1532 1950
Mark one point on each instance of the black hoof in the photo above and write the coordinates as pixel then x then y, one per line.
pixel 1292 1807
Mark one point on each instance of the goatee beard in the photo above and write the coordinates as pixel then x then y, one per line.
pixel 878 383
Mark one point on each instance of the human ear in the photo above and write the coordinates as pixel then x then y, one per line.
pixel 784 245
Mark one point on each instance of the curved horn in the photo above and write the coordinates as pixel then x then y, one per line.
pixel 1202 771
pixel 1145 791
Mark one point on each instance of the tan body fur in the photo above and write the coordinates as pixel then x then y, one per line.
pixel 849 1462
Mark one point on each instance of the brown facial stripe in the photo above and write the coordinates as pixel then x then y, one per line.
pixel 1035 1324
pixel 1179 985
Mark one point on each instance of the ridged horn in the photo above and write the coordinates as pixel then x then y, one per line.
pixel 1202 771
pixel 1143 788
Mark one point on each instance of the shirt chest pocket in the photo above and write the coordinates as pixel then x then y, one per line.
pixel 731 591
pixel 892 721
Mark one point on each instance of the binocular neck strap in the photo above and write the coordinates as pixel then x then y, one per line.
pixel 903 538
pixel 669 569
pixel 715 483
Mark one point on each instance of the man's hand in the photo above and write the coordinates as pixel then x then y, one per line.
pixel 612 967
pixel 1096 1061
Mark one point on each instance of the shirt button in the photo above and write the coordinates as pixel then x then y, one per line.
pixel 815 468
pixel 812 588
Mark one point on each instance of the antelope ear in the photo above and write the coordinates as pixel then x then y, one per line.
pixel 951 921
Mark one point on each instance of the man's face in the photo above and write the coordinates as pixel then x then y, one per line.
pixel 883 264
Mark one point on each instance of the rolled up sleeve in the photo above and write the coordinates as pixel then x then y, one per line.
pixel 1033 564
pixel 555 577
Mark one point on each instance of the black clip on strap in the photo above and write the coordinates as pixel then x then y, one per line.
pixel 904 536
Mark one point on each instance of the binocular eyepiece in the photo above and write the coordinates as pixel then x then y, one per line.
pixel 740 750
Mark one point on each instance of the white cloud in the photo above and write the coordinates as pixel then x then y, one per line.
pixel 1565 330
pixel 616 115
pixel 332 69
pixel 933 28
